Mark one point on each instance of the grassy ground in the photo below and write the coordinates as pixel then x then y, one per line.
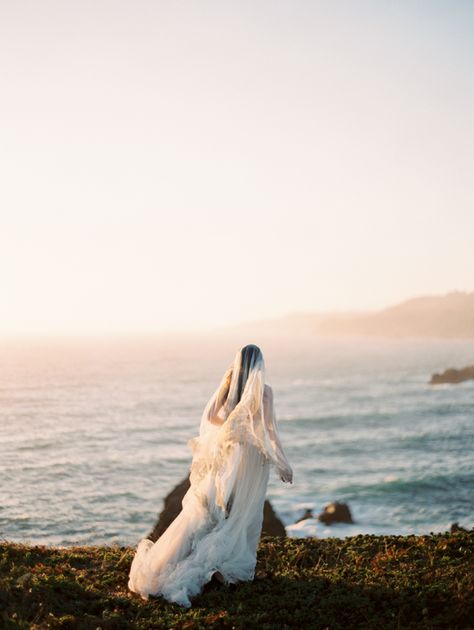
pixel 378 582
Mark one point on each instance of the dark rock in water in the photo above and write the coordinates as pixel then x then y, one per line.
pixel 171 509
pixel 455 527
pixel 308 514
pixel 453 376
pixel 272 526
pixel 335 513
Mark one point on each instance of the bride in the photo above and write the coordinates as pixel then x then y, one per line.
pixel 218 529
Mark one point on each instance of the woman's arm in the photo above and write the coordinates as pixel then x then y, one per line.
pixel 219 399
pixel 283 467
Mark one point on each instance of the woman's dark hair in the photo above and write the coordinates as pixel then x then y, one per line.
pixel 251 354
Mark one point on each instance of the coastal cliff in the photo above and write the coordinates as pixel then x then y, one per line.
pixel 368 582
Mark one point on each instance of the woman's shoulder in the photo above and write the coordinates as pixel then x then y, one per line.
pixel 267 393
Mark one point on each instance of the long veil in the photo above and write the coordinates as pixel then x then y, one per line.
pixel 230 418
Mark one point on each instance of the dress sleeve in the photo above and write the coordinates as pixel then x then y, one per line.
pixel 283 467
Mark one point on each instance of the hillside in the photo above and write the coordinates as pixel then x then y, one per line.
pixel 447 316
pixel 451 315
pixel 365 582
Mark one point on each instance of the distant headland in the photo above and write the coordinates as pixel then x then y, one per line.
pixel 445 316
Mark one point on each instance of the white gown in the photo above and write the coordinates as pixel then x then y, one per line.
pixel 219 526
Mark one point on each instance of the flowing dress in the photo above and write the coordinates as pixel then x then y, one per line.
pixel 219 526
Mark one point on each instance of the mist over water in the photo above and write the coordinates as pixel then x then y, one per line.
pixel 93 433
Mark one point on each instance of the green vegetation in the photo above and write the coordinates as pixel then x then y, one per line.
pixel 377 582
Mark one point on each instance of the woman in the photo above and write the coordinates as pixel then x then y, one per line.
pixel 218 529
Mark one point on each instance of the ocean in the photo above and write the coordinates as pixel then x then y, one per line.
pixel 94 432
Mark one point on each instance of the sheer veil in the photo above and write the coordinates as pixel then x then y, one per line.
pixel 240 391
pixel 233 416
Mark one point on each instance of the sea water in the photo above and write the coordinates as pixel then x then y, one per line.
pixel 94 432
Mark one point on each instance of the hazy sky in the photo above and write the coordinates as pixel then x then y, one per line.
pixel 190 164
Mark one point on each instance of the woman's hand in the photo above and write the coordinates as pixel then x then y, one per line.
pixel 286 474
pixel 216 420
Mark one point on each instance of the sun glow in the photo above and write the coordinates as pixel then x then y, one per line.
pixel 187 166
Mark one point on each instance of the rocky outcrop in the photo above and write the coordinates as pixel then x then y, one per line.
pixel 171 509
pixel 335 513
pixel 272 526
pixel 307 514
pixel 453 375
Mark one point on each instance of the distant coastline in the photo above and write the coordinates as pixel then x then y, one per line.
pixel 448 316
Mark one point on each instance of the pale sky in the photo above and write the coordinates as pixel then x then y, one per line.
pixel 189 164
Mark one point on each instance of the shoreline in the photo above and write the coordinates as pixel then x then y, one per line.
pixel 358 582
